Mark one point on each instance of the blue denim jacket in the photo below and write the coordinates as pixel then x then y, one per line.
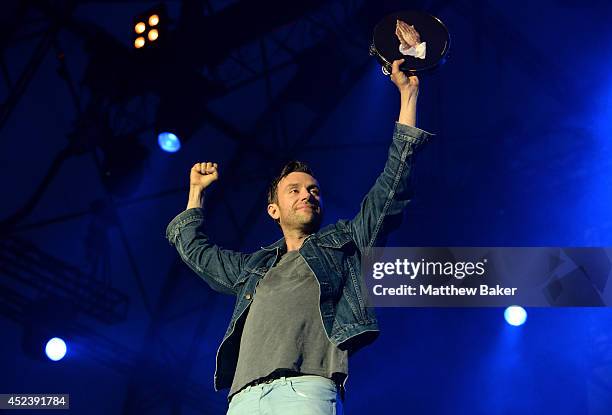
pixel 333 254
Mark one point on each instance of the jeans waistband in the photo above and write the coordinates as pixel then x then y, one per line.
pixel 280 375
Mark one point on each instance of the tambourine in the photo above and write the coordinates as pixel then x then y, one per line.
pixel 421 39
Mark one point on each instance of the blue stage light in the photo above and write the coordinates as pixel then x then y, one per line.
pixel 55 349
pixel 169 142
pixel 515 315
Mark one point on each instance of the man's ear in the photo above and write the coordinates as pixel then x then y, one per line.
pixel 274 211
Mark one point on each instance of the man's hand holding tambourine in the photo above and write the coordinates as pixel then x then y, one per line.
pixel 407 85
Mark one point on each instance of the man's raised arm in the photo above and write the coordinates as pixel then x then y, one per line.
pixel 409 94
pixel 382 208
pixel 220 268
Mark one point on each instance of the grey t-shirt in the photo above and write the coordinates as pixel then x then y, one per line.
pixel 284 330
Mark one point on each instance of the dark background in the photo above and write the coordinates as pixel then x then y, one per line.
pixel 522 157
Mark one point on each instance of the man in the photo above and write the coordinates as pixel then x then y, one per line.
pixel 300 308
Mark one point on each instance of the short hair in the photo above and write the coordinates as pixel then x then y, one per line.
pixel 291 167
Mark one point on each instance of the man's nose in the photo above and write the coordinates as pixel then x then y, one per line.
pixel 306 195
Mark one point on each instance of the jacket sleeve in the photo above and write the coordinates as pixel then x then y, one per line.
pixel 381 209
pixel 220 268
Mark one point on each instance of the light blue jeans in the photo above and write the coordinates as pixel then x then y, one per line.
pixel 299 395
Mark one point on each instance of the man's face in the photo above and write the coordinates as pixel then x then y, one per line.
pixel 299 203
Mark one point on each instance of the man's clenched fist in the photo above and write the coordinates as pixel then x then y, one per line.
pixel 203 174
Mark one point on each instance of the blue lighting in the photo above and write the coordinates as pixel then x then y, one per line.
pixel 515 315
pixel 55 349
pixel 169 142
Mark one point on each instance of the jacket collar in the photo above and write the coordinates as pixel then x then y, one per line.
pixel 280 244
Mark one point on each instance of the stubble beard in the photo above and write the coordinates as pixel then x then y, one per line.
pixel 308 222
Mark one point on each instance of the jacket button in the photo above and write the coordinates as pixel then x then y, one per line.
pixel 248 296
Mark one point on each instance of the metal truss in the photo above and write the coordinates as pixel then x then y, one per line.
pixel 37 274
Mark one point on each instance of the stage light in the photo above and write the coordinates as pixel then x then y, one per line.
pixel 169 142
pixel 153 35
pixel 55 349
pixel 140 27
pixel 139 42
pixel 515 315
pixel 153 22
